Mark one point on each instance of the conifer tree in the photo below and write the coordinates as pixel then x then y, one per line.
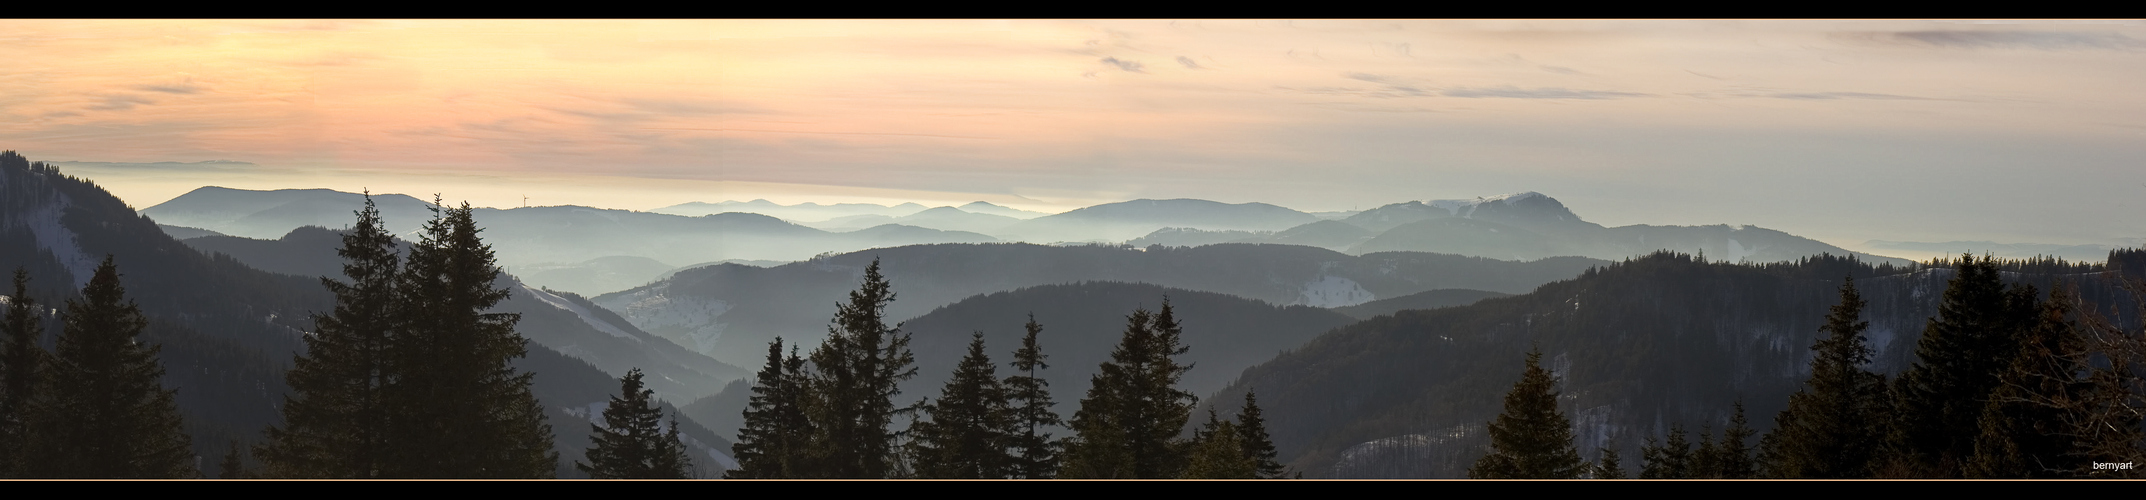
pixel 1531 439
pixel 460 410
pixel 773 442
pixel 1732 458
pixel 857 372
pixel 966 436
pixel 1958 360
pixel 21 363
pixel 1669 460
pixel 1164 409
pixel 634 443
pixel 335 422
pixel 1028 397
pixel 1128 424
pixel 1610 467
pixel 1706 459
pixel 1258 446
pixel 105 413
pixel 233 465
pixel 1220 454
pixel 1829 429
pixel 2023 426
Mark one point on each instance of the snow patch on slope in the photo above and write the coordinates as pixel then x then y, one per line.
pixel 1463 208
pixel 684 319
pixel 54 238
pixel 1334 291
pixel 1408 455
pixel 1738 252
pixel 579 312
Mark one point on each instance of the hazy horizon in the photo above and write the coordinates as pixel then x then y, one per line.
pixel 1841 131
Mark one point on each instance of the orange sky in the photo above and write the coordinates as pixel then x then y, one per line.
pixel 1836 129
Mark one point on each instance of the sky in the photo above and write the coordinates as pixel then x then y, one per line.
pixel 1844 131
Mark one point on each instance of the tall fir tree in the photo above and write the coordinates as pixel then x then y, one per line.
pixel 857 372
pixel 1706 459
pixel 1028 397
pixel 334 421
pixel 966 437
pixel 1610 467
pixel 1671 459
pixel 1258 446
pixel 2023 425
pixel 1831 426
pixel 22 360
pixel 773 443
pixel 1733 456
pixel 233 465
pixel 105 413
pixel 1531 439
pixel 1128 424
pixel 634 443
pixel 1957 363
pixel 460 409
pixel 1219 454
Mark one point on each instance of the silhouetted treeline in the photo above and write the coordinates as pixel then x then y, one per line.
pixel 2008 382
pixel 828 415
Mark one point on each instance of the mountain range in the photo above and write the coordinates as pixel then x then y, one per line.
pixel 228 331
pixel 593 251
pixel 1378 342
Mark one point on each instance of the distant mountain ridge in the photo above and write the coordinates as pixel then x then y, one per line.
pixel 1641 345
pixel 570 244
pixel 1082 322
pixel 730 312
pixel 227 331
pixel 559 320
pixel 1520 226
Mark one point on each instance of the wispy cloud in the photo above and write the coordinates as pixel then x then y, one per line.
pixel 1512 92
pixel 1188 62
pixel 2036 40
pixel 1368 77
pixel 172 88
pixel 1128 66
pixel 1809 96
pixel 121 102
pixel 1845 95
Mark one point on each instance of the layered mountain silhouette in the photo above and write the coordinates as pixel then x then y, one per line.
pixel 730 312
pixel 562 321
pixel 228 331
pixel 571 248
pixel 1641 345
pixel 1082 322
pixel 592 251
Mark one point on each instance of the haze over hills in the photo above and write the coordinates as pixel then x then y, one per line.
pixel 1370 364
pixel 730 312
pixel 1082 322
pixel 1115 222
pixel 227 332
pixel 2082 253
pixel 1639 346
pixel 572 248
pixel 560 320
pixel 593 251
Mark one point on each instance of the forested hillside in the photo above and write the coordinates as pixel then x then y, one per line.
pixel 1640 346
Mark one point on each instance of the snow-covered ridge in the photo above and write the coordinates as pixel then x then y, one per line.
pixel 1334 291
pixel 686 320
pixel 580 312
pixel 1461 208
